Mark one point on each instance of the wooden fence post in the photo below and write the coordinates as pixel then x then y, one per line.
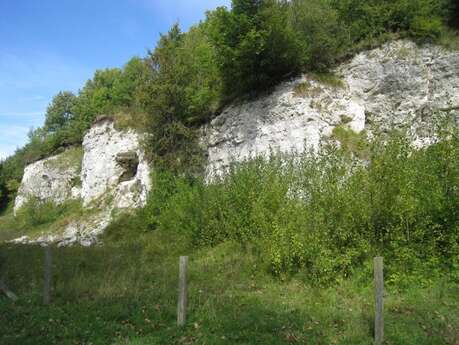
pixel 182 298
pixel 47 276
pixel 379 300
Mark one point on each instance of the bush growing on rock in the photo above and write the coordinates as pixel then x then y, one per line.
pixel 255 45
pixel 184 92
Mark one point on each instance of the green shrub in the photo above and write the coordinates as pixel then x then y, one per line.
pixel 39 216
pixel 326 213
pixel 255 45
pixel 184 91
pixel 369 19
pixel 36 212
pixel 426 29
pixel 321 32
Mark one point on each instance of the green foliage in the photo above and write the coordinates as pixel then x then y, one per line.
pixel 352 142
pixel 100 96
pixel 184 92
pixel 454 15
pixel 37 217
pixel 60 111
pixel 369 19
pixel 450 40
pixel 323 36
pixel 39 214
pixel 35 212
pixel 3 189
pixel 165 184
pixel 325 213
pixel 11 171
pixel 255 46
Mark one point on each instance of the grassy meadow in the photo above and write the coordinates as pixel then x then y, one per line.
pixel 128 295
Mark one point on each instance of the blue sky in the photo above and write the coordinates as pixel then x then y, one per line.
pixel 52 45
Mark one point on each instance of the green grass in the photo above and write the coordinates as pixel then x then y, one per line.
pixel 38 218
pixel 449 40
pixel 8 225
pixel 329 79
pixel 306 89
pixel 126 293
pixel 69 158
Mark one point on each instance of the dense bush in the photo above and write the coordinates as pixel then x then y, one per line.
pixel 60 111
pixel 35 213
pixel 11 171
pixel 3 190
pixel 320 28
pixel 260 42
pixel 255 45
pixel 325 213
pixel 184 91
pixel 369 19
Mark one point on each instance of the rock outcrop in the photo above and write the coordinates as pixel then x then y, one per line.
pixel 53 179
pixel 114 165
pixel 397 85
pixel 110 172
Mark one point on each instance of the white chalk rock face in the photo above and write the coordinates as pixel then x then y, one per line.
pixel 114 166
pixel 397 85
pixel 109 172
pixel 54 179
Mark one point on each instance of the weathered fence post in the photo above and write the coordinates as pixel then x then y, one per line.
pixel 379 300
pixel 182 298
pixel 47 276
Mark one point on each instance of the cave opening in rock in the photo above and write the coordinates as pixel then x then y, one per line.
pixel 129 162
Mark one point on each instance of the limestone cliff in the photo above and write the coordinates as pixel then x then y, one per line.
pixel 397 85
pixel 111 172
pixel 55 178
pixel 114 164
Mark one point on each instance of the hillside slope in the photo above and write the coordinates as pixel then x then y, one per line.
pixel 397 86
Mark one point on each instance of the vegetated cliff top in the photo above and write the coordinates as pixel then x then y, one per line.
pixel 397 86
